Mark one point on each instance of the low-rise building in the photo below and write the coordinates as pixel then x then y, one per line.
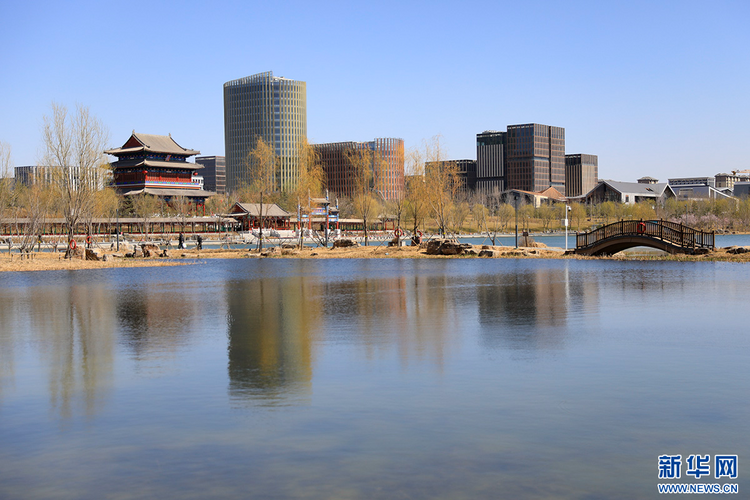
pixel 628 192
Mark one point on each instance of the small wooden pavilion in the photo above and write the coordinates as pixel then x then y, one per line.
pixel 249 214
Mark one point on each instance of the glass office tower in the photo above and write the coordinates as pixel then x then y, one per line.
pixel 263 105
pixel 535 157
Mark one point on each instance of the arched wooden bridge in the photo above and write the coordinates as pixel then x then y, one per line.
pixel 668 236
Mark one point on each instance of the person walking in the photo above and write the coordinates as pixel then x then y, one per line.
pixel 181 241
pixel 199 239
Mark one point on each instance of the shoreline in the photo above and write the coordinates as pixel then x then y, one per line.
pixel 50 261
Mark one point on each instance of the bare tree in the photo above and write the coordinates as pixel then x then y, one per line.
pixel 311 180
pixel 458 214
pixel 263 166
pixel 74 151
pixel 442 183
pixel 7 193
pixel 35 203
pixel 364 166
pixel 145 206
pixel 181 208
pixel 106 204
pixel 416 204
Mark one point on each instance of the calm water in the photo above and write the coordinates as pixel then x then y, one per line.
pixel 370 378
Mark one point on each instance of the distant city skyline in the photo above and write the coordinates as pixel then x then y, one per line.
pixel 652 88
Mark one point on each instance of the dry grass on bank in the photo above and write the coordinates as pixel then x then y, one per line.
pixel 49 261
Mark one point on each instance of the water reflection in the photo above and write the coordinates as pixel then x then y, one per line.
pixel 73 327
pixel 272 323
pixel 532 308
pixel 157 318
pixel 418 316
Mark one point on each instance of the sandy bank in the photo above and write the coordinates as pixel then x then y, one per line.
pixel 48 261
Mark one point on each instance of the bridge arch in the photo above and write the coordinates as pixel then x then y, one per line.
pixel 668 236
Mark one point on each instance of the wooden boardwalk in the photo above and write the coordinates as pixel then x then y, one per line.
pixel 671 237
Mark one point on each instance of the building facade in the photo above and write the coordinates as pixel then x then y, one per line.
pixel 581 174
pixel 270 107
pixel 387 169
pixel 156 165
pixel 490 176
pixel 214 173
pixel 528 157
pixel 94 178
pixel 535 157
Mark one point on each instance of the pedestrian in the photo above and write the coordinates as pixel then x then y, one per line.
pixel 199 239
pixel 181 241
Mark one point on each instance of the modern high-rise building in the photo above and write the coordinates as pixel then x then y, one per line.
pixel 270 107
pixel 535 157
pixel 581 174
pixel 387 179
pixel 527 157
pixel 214 173
pixel 490 174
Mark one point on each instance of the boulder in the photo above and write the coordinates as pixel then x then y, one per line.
pixel 448 247
pixel 736 250
pixel 150 250
pixel 345 243
pixel 137 252
pixel 93 254
pixel 433 247
pixel 486 252
pixel 75 253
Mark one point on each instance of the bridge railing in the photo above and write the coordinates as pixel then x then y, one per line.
pixel 672 232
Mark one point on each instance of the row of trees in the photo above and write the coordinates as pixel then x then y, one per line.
pixel 433 196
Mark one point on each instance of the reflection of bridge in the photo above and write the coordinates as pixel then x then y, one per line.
pixel 668 236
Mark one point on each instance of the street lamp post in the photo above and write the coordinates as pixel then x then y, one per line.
pixel 117 228
pixel 567 211
pixel 515 197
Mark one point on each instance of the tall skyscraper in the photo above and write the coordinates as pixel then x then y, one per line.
pixel 263 105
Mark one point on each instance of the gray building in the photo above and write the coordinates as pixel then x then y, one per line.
pixel 528 157
pixel 490 176
pixel 214 173
pixel 263 105
pixel 535 157
pixel 581 174
pixel 742 189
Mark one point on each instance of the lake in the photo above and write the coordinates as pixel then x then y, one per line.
pixel 362 379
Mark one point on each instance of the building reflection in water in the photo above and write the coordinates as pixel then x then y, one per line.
pixel 532 310
pixel 272 323
pixel 418 316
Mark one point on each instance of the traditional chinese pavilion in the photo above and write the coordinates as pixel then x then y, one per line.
pixel 157 165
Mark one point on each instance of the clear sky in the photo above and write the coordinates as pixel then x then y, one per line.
pixel 657 88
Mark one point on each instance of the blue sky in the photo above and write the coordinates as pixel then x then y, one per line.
pixel 656 88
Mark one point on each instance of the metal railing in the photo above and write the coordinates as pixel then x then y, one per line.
pixel 671 232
